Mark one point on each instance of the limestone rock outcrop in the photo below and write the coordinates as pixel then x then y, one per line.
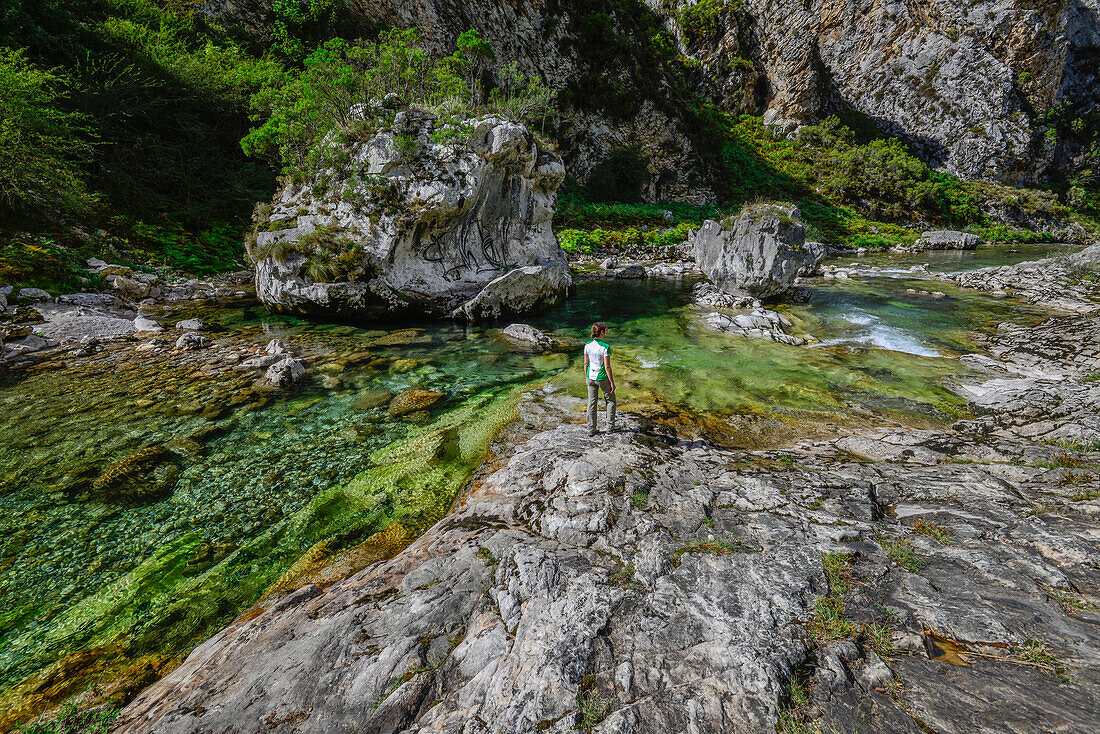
pixel 414 226
pixel 945 239
pixel 642 583
pixel 760 323
pixel 962 83
pixel 523 290
pixel 1055 282
pixel 758 254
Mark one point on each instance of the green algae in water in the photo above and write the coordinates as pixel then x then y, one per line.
pixel 160 607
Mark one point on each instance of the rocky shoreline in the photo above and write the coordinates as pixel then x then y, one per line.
pixel 883 581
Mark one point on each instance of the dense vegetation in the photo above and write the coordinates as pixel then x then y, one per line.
pixel 143 132
pixel 123 117
pixel 858 189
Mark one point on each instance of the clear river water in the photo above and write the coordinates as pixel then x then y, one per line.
pixel 271 489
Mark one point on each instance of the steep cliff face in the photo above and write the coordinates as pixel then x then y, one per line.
pixel 976 87
pixel 986 90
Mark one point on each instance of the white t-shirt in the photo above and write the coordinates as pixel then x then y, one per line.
pixel 596 350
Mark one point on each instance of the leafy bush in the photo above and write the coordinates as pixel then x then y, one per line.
pixel 591 240
pixel 38 262
pixel 701 19
pixel 521 97
pixel 299 26
pixel 42 147
pixel 343 83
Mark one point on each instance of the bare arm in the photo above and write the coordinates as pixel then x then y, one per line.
pixel 607 366
pixel 586 365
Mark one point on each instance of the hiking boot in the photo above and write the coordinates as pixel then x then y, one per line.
pixel 592 432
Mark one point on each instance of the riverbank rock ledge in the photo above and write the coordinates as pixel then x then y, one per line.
pixel 403 224
pixel 759 253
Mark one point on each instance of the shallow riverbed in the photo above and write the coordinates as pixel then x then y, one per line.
pixel 270 487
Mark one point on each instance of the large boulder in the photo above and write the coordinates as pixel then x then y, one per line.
pixel 946 239
pixel 408 225
pixel 758 254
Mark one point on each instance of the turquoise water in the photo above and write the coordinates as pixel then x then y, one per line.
pixel 264 480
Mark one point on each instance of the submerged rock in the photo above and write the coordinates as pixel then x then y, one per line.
pixel 426 228
pixel 759 255
pixel 371 399
pixel 146 475
pixel 412 401
pixel 286 371
pixel 527 336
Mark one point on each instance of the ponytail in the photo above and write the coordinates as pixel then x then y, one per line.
pixel 598 328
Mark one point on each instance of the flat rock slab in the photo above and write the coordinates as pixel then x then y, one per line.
pixel 71 323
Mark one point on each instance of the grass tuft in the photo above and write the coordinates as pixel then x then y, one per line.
pixel 838 572
pixel 878 637
pixel 624 578
pixel 487 555
pixel 717 547
pixel 593 706
pixel 932 530
pixel 901 552
pixel 829 621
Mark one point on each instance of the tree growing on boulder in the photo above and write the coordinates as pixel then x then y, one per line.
pixel 479 56
pixel 351 89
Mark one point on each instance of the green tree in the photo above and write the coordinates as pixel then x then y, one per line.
pixel 300 25
pixel 522 97
pixel 342 86
pixel 477 56
pixel 41 145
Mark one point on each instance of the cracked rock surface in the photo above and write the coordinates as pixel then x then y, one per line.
pixel 673 585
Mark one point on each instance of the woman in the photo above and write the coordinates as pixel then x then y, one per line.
pixel 597 373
